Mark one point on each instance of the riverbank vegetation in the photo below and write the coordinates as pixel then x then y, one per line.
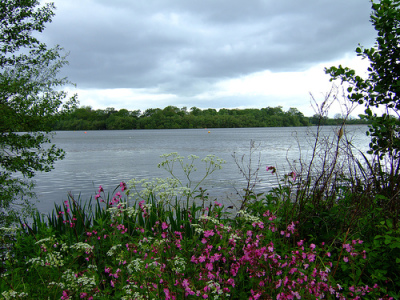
pixel 172 117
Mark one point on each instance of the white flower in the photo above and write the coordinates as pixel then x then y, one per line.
pixel 136 265
pixel 248 217
pixel 83 246
pixel 113 249
pixel 180 264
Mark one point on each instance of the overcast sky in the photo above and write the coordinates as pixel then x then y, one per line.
pixel 139 54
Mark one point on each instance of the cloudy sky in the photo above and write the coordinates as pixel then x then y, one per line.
pixel 139 54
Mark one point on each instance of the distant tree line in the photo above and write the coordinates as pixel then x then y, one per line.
pixel 172 117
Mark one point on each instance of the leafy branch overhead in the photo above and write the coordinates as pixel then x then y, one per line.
pixel 381 88
pixel 29 98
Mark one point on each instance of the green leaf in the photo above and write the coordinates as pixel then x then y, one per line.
pixel 395 245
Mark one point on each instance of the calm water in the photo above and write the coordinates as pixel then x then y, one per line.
pixel 106 158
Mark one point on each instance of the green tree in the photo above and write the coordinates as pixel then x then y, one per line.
pixel 195 111
pixel 381 88
pixel 29 99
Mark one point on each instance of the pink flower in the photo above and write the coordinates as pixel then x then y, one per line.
pixel 64 295
pixel 185 283
pixel 272 169
pixel 123 186
pixel 215 257
pixel 255 296
pixel 208 233
pixel 164 225
pixel 347 247
pixel 291 227
pixel 100 189
pixel 209 266
pixel 167 294
pixel 83 295
pixel 178 244
pixel 231 281
pixel 259 224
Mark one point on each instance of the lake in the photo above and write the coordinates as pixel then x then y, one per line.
pixel 106 158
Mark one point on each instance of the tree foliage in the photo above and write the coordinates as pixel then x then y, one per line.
pixel 29 99
pixel 381 88
pixel 86 118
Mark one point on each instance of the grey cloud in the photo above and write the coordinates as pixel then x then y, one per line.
pixel 184 47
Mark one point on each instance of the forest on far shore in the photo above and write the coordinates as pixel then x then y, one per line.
pixel 172 117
